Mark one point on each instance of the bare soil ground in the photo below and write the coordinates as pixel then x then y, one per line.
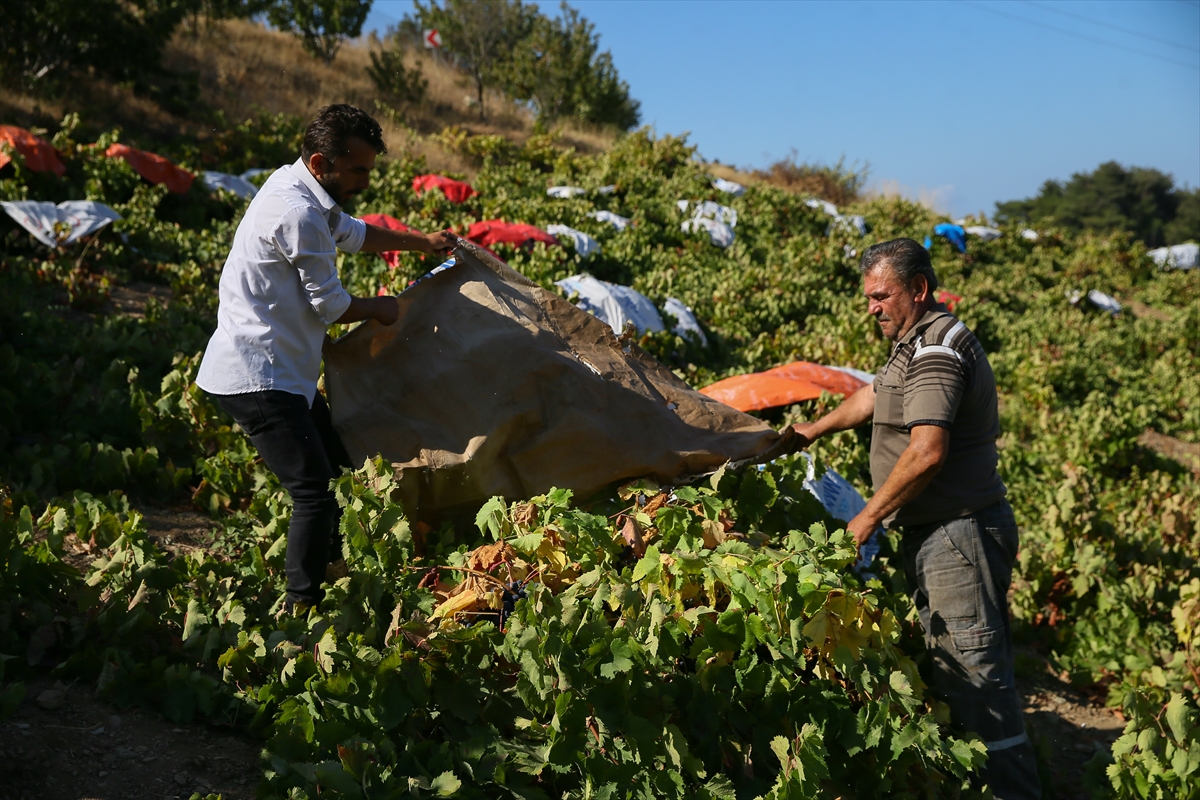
pixel 83 749
pixel 1068 728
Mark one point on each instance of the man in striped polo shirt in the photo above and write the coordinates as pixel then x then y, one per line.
pixel 935 422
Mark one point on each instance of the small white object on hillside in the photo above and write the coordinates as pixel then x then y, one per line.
pixel 983 232
pixel 585 245
pixel 563 192
pixel 234 184
pixel 1097 298
pixel 80 217
pixel 719 233
pixel 609 189
pixel 686 323
pixel 613 304
pixel 1030 234
pixel 826 206
pixel 1179 256
pixel 616 220
pixel 710 210
pixel 729 187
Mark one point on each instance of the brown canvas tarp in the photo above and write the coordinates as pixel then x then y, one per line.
pixel 490 385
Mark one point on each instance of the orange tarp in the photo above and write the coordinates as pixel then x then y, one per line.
pixel 781 386
pixel 153 167
pixel 40 155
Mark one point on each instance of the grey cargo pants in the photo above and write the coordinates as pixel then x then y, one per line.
pixel 958 573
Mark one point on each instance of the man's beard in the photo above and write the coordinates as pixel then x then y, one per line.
pixel 335 190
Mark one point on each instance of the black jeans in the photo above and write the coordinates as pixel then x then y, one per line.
pixel 959 572
pixel 299 445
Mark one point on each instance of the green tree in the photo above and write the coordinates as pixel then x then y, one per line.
pixel 559 69
pixel 400 84
pixel 321 25
pixel 1186 225
pixel 1139 200
pixel 480 35
pixel 41 42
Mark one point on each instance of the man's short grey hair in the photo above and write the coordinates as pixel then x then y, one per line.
pixel 906 259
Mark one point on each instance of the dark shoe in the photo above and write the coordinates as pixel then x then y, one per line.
pixel 336 570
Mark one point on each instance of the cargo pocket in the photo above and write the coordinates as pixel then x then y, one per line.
pixel 974 639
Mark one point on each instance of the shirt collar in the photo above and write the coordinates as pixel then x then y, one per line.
pixel 930 316
pixel 323 197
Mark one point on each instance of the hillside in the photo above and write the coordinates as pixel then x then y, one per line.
pixel 231 71
pixel 536 653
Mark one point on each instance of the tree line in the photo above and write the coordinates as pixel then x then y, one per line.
pixel 553 64
pixel 1138 200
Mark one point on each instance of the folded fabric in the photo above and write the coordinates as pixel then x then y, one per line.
pixel 616 220
pixel 390 257
pixel 686 323
pixel 563 192
pixel 1179 256
pixel 826 206
pixel 455 191
pixel 719 233
pixel 584 245
pixel 983 232
pixel 233 184
pixel 955 234
pixel 609 189
pixel 153 167
pixel 490 385
pixel 488 233
pixel 65 223
pixel 615 305
pixel 1030 234
pixel 782 386
pixel 715 211
pixel 39 155
pixel 729 187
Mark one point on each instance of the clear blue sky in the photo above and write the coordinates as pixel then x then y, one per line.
pixel 967 102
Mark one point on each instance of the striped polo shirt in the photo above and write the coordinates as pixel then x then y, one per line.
pixel 938 374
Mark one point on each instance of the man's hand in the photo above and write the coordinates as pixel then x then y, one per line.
pixel 808 433
pixel 385 310
pixel 861 528
pixel 440 243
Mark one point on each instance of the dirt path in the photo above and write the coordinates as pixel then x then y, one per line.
pixel 85 750
pixel 1068 728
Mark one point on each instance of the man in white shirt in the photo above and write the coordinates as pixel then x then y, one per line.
pixel 279 292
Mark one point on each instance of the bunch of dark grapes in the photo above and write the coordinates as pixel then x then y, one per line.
pixel 513 591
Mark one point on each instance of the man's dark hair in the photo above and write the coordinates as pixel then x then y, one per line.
pixel 334 126
pixel 904 257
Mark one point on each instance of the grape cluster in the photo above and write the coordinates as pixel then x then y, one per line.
pixel 513 591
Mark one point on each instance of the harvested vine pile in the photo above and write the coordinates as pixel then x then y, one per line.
pixel 699 640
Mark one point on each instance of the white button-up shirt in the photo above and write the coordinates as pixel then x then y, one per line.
pixel 280 289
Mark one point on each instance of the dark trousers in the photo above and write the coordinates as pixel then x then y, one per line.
pixel 299 445
pixel 959 572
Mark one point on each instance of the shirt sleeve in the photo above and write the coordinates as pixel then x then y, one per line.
pixel 934 386
pixel 304 239
pixel 349 233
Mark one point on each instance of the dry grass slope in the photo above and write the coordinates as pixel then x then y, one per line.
pixel 241 68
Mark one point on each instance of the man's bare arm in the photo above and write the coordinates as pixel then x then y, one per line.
pixel 928 446
pixel 382 240
pixel 384 309
pixel 852 413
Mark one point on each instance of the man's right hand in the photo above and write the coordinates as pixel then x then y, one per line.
pixel 441 242
pixel 807 431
